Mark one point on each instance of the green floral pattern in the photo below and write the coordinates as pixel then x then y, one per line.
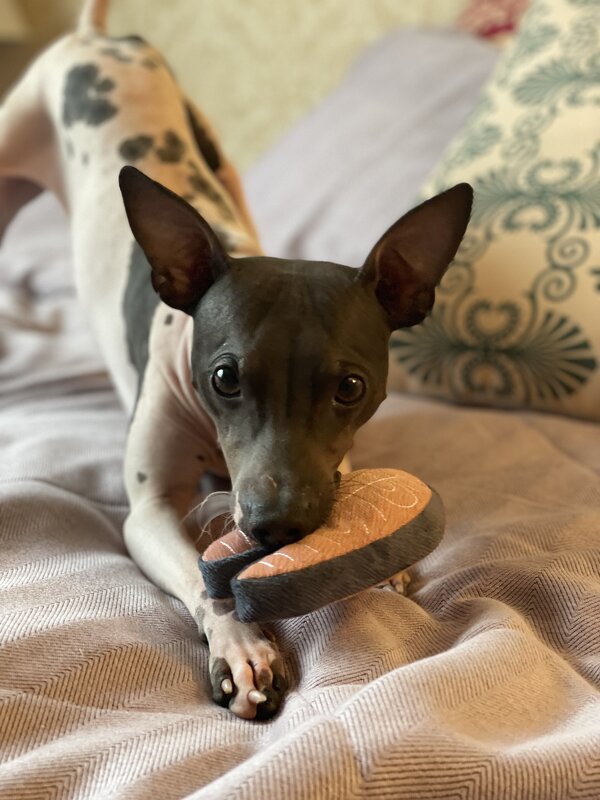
pixel 517 317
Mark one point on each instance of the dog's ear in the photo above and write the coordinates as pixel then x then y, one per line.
pixel 409 260
pixel 185 255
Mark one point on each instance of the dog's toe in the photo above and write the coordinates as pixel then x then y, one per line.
pixel 221 681
pixel 400 582
pixel 273 687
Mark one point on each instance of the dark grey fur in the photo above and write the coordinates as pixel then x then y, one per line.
pixel 139 305
pixel 200 185
pixel 172 149
pixel 136 147
pixel 114 52
pixel 84 97
pixel 205 144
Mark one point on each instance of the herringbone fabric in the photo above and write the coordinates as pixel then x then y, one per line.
pixel 483 684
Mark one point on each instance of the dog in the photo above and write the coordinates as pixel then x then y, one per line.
pixel 230 363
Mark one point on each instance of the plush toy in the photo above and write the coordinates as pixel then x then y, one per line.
pixel 383 520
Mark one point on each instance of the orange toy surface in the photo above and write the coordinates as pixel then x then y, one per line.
pixel 382 521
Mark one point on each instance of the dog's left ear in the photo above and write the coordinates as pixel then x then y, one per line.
pixel 411 257
pixel 185 255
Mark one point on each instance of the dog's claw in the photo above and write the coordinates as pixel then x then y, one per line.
pixel 257 697
pixel 400 582
pixel 227 686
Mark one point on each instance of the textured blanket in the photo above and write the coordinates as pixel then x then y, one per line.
pixel 483 683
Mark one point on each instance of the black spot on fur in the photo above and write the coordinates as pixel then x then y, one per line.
pixel 168 319
pixel 205 144
pixel 69 149
pixel 141 476
pixel 139 305
pixel 149 63
pixel 105 85
pixel 200 457
pixel 201 186
pixel 204 594
pixel 172 150
pixel 222 607
pixel 132 38
pixel 83 99
pixel 114 52
pixel 135 148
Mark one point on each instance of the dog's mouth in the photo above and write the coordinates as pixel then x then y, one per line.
pixel 276 526
pixel 221 511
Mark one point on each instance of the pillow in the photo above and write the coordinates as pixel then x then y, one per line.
pixel 517 317
pixel 495 20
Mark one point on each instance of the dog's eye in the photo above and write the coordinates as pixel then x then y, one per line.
pixel 226 382
pixel 350 390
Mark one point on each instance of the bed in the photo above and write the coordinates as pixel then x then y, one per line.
pixel 482 683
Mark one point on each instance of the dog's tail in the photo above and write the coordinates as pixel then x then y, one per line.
pixel 92 18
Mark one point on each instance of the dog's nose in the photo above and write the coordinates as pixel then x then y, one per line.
pixel 277 533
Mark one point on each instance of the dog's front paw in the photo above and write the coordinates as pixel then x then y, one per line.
pixel 246 671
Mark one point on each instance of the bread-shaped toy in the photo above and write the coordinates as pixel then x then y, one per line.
pixel 382 521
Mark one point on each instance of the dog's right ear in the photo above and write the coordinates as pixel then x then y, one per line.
pixel 185 255
pixel 409 260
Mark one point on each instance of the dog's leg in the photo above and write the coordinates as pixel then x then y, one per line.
pixel 208 144
pixel 162 472
pixel 28 155
pixel 246 672
pixel 14 194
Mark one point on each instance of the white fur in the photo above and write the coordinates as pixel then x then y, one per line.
pixel 80 164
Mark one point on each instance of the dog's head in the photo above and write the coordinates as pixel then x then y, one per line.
pixel 290 357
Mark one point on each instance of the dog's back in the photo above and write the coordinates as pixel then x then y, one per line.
pixel 89 105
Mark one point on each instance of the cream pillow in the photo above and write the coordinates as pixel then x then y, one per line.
pixel 517 317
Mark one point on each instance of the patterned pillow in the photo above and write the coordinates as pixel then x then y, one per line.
pixel 517 317
pixel 492 19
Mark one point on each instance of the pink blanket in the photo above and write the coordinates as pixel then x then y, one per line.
pixel 482 684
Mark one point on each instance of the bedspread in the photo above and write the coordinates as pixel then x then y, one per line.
pixel 483 683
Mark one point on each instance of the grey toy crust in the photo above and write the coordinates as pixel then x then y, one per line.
pixel 303 591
